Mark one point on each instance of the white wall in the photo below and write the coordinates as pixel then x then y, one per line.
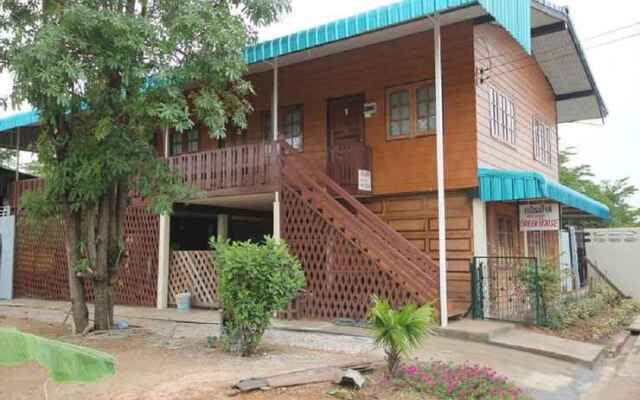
pixel 617 253
pixel 7 232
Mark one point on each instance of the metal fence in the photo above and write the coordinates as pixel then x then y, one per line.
pixel 506 288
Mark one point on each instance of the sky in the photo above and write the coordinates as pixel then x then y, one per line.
pixel 613 150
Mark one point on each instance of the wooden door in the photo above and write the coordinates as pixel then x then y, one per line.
pixel 347 153
pixel 346 120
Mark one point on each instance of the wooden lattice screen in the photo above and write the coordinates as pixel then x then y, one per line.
pixel 193 272
pixel 340 279
pixel 41 263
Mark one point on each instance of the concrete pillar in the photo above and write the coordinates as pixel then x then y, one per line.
pixel 223 227
pixel 163 261
pixel 480 248
pixel 164 247
pixel 274 124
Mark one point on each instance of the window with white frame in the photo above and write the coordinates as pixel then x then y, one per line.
pixel 503 117
pixel 543 137
pixel 292 126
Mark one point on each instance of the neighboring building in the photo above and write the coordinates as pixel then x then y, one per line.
pixel 356 100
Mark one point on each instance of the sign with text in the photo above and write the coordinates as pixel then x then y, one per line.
pixel 364 180
pixel 539 217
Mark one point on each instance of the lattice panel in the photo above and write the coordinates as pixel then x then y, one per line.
pixel 193 272
pixel 340 278
pixel 41 260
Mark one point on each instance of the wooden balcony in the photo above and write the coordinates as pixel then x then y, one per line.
pixel 345 163
pixel 235 170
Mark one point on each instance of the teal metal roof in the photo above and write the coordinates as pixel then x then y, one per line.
pixel 513 15
pixel 20 119
pixel 500 185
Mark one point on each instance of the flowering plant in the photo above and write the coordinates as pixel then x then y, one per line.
pixel 459 382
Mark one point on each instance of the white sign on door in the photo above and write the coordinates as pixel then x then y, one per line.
pixel 364 180
pixel 539 217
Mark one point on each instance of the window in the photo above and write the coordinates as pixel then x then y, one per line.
pixel 176 143
pixel 542 142
pixel 292 126
pixel 426 109
pixel 193 140
pixel 503 117
pixel 400 114
pixel 411 110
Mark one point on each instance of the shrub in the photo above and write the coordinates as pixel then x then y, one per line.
pixel 545 282
pixel 462 382
pixel 398 332
pixel 254 281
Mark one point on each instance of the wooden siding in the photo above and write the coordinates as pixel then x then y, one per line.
pixel 513 73
pixel 399 166
pixel 416 218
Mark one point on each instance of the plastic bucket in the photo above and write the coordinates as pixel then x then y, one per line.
pixel 183 301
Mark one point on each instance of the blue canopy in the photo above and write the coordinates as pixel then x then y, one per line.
pixel 18 120
pixel 500 185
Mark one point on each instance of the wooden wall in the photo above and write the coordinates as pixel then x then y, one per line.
pixel 416 218
pixel 511 71
pixel 399 166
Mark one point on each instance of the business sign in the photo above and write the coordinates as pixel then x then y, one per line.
pixel 364 180
pixel 539 217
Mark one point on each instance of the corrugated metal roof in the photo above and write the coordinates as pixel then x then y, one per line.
pixel 513 15
pixel 20 119
pixel 501 185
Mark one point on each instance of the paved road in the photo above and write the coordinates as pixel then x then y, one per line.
pixel 620 379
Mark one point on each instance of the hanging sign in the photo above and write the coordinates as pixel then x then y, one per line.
pixel 364 180
pixel 539 217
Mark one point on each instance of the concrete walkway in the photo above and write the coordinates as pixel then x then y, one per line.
pixel 543 377
pixel 510 336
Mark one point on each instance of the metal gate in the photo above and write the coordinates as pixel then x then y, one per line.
pixel 505 288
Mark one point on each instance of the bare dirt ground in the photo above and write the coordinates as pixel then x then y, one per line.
pixel 150 367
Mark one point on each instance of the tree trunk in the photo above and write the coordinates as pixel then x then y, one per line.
pixel 103 306
pixel 79 310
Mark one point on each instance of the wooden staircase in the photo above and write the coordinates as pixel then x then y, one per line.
pixel 411 269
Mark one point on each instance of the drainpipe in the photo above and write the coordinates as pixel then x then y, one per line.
pixel 274 126
pixel 164 247
pixel 442 229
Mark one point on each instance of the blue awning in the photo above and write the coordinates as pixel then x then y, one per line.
pixel 18 120
pixel 500 185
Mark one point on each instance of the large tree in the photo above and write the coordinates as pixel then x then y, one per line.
pixel 105 75
pixel 615 194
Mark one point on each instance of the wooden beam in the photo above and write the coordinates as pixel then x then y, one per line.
pixel 575 95
pixel 549 29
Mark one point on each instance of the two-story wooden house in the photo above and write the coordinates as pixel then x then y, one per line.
pixel 352 183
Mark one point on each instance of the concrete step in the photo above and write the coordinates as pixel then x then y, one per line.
pixel 513 337
pixel 586 354
pixel 475 330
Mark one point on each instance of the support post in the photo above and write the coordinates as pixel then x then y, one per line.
pixel 164 243
pixel 223 227
pixel 274 126
pixel 442 227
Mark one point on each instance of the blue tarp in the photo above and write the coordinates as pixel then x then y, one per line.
pixel 501 185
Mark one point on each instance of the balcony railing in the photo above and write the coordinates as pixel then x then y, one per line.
pixel 346 162
pixel 242 168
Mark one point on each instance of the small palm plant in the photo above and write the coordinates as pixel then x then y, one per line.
pixel 398 332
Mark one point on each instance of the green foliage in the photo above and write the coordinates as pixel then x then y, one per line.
pixel 398 332
pixel 105 76
pixel 601 299
pixel 543 284
pixel 615 194
pixel 254 281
